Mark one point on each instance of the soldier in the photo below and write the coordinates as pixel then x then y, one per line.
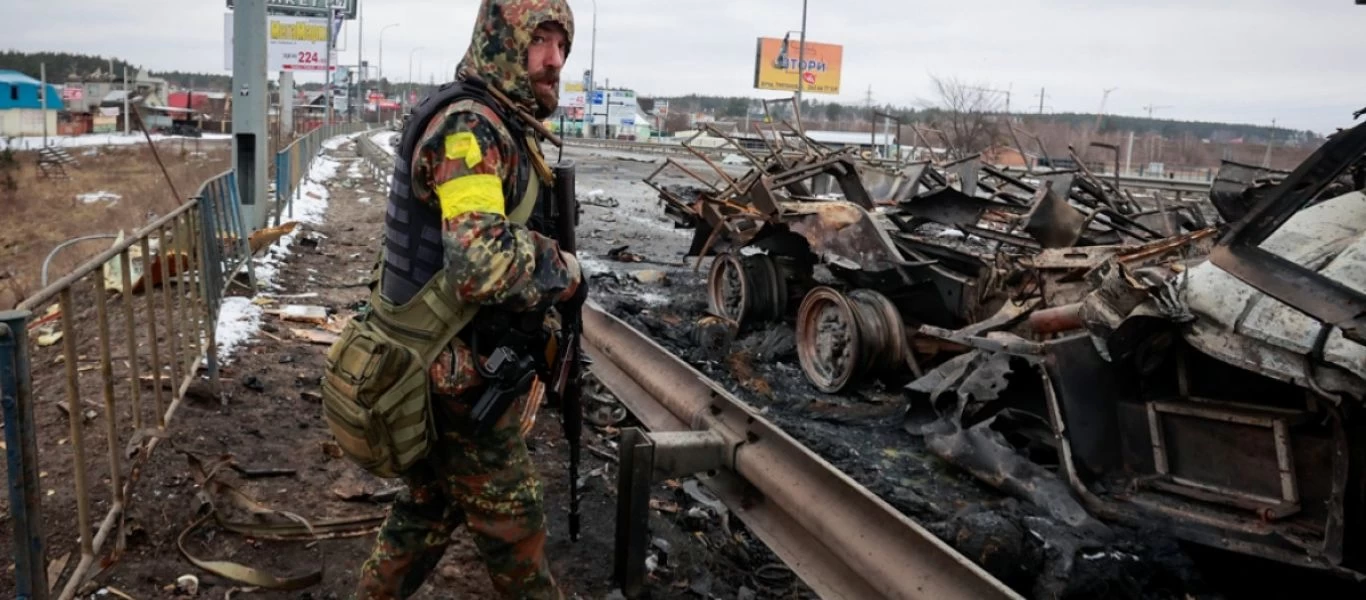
pixel 467 157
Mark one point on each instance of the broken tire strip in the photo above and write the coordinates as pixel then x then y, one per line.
pixel 300 529
pixel 843 541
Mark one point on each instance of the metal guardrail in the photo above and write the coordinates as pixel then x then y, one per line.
pixel 379 160
pixel 645 147
pixel 1146 183
pixel 842 540
pixel 1151 183
pixel 161 322
pixel 292 163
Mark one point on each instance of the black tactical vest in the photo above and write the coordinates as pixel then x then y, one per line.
pixel 412 229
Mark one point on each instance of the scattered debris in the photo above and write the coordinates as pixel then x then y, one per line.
pixel 650 277
pixel 620 254
pixel 253 383
pixel 300 313
pixel 316 336
pixel 187 585
pixel 597 198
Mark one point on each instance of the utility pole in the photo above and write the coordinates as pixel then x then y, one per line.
pixel 592 74
pixel 1103 99
pixel 287 103
pixel 1042 95
pixel 126 119
pixel 1266 162
pixel 327 72
pixel 360 60
pixel 251 97
pixel 42 93
pixel 801 68
pixel 1129 154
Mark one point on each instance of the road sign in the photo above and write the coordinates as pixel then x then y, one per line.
pixel 597 97
pixel 628 122
pixel 309 7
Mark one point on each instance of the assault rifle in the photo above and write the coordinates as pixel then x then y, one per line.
pixel 569 359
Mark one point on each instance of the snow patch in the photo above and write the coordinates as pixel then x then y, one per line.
pixel 100 196
pixel 1112 555
pixel 310 206
pixel 323 168
pixel 593 266
pixel 654 299
pixel 363 200
pixel 952 234
pixel 238 321
pixel 111 139
pixel 385 140
pixel 335 143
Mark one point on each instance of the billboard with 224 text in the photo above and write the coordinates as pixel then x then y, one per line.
pixel 292 43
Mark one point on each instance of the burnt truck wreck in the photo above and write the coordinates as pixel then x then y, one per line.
pixel 1109 353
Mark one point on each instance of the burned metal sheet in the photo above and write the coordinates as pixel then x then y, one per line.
pixel 1052 221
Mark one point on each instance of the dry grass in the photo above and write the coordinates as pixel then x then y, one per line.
pixel 43 213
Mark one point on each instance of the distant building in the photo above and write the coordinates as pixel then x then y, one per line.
pixel 21 105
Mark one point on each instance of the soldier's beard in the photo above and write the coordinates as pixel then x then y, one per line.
pixel 546 87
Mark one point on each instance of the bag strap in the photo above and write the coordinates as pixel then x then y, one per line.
pixel 411 324
pixel 428 322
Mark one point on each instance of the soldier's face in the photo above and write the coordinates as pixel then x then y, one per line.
pixel 545 58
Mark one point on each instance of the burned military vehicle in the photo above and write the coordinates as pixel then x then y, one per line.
pixel 1194 366
pixel 1213 393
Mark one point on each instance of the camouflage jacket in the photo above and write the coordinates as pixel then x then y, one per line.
pixel 460 165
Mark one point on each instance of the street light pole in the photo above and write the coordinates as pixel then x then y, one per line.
pixel 385 93
pixel 410 73
pixel 381 48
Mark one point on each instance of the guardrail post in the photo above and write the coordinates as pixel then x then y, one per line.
pixel 21 456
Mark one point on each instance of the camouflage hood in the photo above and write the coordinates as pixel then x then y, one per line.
pixel 502 35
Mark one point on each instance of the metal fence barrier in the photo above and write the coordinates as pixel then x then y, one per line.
pixel 291 163
pixel 134 326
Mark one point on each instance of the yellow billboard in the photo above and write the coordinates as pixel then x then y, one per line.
pixel 775 66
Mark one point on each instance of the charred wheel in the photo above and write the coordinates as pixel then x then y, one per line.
pixel 746 289
pixel 841 338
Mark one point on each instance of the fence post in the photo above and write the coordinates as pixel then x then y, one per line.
pixel 21 456
pixel 211 283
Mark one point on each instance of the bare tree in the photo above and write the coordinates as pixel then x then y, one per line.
pixel 968 119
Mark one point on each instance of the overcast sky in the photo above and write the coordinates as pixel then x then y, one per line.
pixel 1297 61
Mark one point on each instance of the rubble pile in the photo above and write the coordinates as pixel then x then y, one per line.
pixel 1107 355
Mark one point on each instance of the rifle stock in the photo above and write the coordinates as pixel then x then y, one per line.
pixel 569 370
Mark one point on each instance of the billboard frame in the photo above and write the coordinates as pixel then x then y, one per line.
pixel 835 68
pixel 309 8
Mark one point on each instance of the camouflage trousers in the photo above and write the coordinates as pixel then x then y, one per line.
pixel 486 482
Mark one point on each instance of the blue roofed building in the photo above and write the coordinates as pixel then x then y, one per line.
pixel 21 106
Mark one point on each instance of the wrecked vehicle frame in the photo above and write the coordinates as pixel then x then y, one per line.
pixel 1215 398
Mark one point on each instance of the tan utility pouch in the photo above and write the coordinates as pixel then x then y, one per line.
pixel 376 388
